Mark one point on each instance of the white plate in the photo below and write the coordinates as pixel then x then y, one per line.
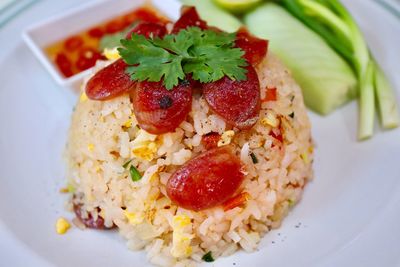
pixel 349 215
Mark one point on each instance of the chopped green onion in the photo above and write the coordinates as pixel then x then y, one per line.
pixel 208 257
pixel 386 98
pixel 253 158
pixel 126 164
pixel 135 174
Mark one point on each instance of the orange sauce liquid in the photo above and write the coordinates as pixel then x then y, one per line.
pixel 79 52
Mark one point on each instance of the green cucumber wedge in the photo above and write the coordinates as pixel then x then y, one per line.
pixel 326 79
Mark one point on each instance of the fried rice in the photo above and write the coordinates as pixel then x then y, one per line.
pixel 276 154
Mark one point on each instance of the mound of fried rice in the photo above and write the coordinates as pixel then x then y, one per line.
pixel 104 135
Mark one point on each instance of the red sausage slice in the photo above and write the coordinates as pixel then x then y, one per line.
pixel 207 180
pixel 237 102
pixel 113 81
pixel 89 220
pixel 189 18
pixel 159 110
pixel 255 49
pixel 110 82
pixel 148 29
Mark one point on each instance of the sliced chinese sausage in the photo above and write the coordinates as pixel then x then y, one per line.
pixel 207 180
pixel 237 102
pixel 148 29
pixel 189 18
pixel 159 110
pixel 113 80
pixel 110 82
pixel 88 220
pixel 255 49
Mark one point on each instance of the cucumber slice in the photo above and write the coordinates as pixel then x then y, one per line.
pixel 214 15
pixel 326 79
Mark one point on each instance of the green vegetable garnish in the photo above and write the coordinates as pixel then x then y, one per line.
pixel 208 257
pixel 126 164
pixel 206 54
pixel 326 79
pixel 253 158
pixel 135 174
pixel 331 20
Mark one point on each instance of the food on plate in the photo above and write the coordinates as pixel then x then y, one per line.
pixel 80 51
pixel 193 144
pixel 214 15
pixel 62 226
pixel 334 23
pixel 326 79
pixel 329 76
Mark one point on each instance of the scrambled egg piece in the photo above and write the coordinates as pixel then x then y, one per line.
pixel 271 120
pixel 180 238
pixel 226 138
pixel 128 123
pixel 144 145
pixel 133 217
pixel 305 158
pixel 111 53
pixel 90 147
pixel 62 226
pixel 83 97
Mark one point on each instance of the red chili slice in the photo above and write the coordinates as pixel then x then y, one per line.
pixel 64 65
pixel 255 49
pixel 210 140
pixel 149 30
pixel 159 110
pixel 189 17
pixel 87 58
pixel 147 15
pixel 115 26
pixel 237 102
pixel 270 95
pixel 96 33
pixel 110 82
pixel 73 43
pixel 206 181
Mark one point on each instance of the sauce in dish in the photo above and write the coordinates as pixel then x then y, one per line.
pixel 80 51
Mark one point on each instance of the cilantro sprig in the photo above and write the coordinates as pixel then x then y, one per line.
pixel 206 54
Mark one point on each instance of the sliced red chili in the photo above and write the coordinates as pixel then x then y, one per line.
pixel 64 65
pixel 270 95
pixel 73 43
pixel 87 58
pixel 96 33
pixel 115 26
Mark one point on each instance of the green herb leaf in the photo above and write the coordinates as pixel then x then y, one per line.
pixel 254 158
pixel 135 174
pixel 206 54
pixel 208 257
